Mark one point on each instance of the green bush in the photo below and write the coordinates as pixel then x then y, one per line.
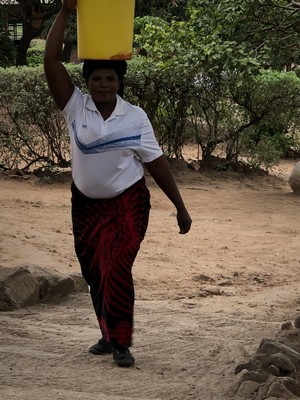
pixel 264 153
pixel 32 130
pixel 164 93
pixel 268 117
pixel 260 117
pixel 35 53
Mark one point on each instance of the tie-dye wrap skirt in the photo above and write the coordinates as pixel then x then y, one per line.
pixel 107 236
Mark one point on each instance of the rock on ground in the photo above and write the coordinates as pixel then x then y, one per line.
pixel 26 285
pixel 294 178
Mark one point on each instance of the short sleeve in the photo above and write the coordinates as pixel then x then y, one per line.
pixel 150 149
pixel 74 104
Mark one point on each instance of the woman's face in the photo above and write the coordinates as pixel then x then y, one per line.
pixel 103 85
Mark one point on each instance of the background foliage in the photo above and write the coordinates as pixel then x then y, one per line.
pixel 258 120
pixel 219 73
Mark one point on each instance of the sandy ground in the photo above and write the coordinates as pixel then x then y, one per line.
pixel 204 301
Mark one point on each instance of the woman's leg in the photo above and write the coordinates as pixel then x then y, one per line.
pixel 118 248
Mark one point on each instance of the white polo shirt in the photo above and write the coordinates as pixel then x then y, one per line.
pixel 107 155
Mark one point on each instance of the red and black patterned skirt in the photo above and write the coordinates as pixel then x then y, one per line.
pixel 107 235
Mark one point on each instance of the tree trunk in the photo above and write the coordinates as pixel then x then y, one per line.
pixel 23 45
pixel 230 150
pixel 207 153
pixel 28 9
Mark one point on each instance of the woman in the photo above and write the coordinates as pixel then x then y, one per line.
pixel 111 140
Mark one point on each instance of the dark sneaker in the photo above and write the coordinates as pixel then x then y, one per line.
pixel 123 357
pixel 101 347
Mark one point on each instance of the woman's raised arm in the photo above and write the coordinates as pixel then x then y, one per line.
pixel 58 79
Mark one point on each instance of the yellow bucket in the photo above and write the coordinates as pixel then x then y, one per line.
pixel 105 29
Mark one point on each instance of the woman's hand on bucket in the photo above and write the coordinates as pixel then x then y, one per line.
pixel 69 5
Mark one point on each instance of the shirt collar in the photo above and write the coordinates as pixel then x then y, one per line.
pixel 119 109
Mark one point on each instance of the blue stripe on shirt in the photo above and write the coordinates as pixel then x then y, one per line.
pixel 103 144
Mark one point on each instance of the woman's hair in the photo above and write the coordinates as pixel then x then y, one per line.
pixel 119 66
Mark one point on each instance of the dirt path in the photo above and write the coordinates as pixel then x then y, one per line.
pixel 204 300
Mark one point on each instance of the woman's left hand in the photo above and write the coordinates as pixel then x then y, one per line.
pixel 184 221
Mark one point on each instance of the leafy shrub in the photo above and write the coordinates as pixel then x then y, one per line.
pixel 164 93
pixel 259 117
pixel 35 53
pixel 268 116
pixel 262 154
pixel 32 130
